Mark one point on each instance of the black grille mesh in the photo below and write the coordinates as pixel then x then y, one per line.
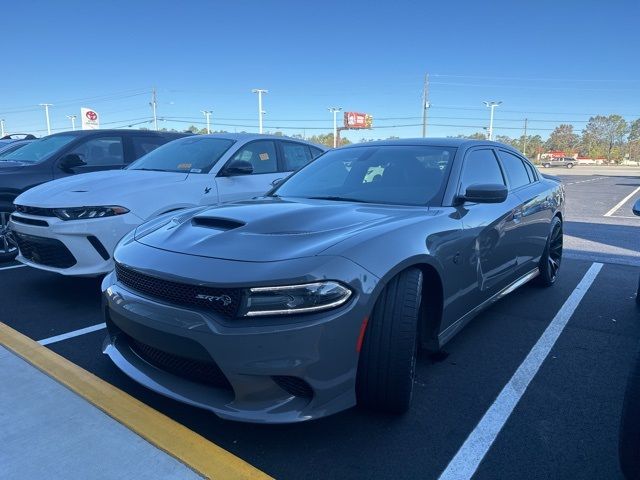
pixel 194 370
pixel 38 211
pixel 224 301
pixel 44 251
pixel 294 385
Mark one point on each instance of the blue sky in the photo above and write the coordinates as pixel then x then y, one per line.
pixel 549 61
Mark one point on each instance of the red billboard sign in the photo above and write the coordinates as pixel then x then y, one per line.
pixel 356 120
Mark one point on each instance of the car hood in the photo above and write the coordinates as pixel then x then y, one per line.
pixel 112 187
pixel 10 165
pixel 272 229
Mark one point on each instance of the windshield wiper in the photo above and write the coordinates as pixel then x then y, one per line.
pixel 151 169
pixel 339 199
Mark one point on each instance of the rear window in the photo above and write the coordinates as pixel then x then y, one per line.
pixel 39 150
pixel 146 144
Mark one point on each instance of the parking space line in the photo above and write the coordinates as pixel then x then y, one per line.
pixel 466 461
pixel 12 266
pixel 199 454
pixel 621 203
pixel 75 333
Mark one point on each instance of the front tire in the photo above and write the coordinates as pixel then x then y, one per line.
pixel 8 249
pixel 569 165
pixel 386 369
pixel 546 165
pixel 552 256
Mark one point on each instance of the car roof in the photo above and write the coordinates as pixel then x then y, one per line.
pixel 434 142
pixel 245 137
pixel 118 131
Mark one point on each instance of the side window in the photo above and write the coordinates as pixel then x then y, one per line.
pixel 532 172
pixel 481 166
pixel 296 155
pixel 261 154
pixel 101 151
pixel 315 152
pixel 145 144
pixel 516 171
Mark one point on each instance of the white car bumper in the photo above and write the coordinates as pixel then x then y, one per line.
pixel 70 247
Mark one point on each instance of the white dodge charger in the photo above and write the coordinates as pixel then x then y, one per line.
pixel 72 225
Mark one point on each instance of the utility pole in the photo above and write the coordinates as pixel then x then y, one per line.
pixel 492 105
pixel 425 104
pixel 335 111
pixel 524 146
pixel 73 121
pixel 2 127
pixel 261 112
pixel 153 104
pixel 46 113
pixel 207 114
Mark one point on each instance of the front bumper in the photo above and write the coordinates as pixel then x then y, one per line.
pixel 317 352
pixel 67 247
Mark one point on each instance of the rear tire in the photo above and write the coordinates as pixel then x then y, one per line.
pixel 546 165
pixel 386 369
pixel 552 256
pixel 8 249
pixel 569 165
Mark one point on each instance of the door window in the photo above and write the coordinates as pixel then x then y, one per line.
pixel 481 167
pixel 315 152
pixel 516 171
pixel 296 155
pixel 101 151
pixel 261 154
pixel 144 145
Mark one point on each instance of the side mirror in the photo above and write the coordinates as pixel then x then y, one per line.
pixel 70 161
pixel 485 193
pixel 636 208
pixel 237 167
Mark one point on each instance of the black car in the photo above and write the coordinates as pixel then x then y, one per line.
pixel 64 154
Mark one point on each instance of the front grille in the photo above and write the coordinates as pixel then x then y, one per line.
pixel 194 370
pixel 29 221
pixel 44 251
pixel 294 385
pixel 224 301
pixel 37 211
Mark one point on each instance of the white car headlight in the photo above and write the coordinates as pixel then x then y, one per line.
pixel 293 299
pixel 84 213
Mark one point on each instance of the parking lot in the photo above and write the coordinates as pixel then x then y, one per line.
pixel 565 424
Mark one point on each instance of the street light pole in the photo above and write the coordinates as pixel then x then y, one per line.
pixel 73 121
pixel 46 113
pixel 207 114
pixel 2 127
pixel 261 112
pixel 335 111
pixel 154 103
pixel 492 105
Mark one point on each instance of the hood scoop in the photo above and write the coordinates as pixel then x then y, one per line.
pixel 217 223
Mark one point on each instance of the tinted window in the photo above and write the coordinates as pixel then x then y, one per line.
pixel 481 167
pixel 7 150
pixel 144 145
pixel 296 155
pixel 40 149
pixel 532 171
pixel 190 155
pixel 261 154
pixel 101 151
pixel 516 171
pixel 404 175
pixel 316 152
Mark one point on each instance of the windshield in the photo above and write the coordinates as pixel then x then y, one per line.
pixel 6 150
pixel 38 150
pixel 404 175
pixel 189 155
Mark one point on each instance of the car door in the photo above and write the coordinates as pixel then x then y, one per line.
pixel 262 154
pixel 490 242
pixel 97 152
pixel 535 214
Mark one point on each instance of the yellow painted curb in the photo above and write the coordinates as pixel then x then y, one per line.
pixel 198 453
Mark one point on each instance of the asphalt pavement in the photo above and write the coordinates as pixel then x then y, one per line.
pixel 563 425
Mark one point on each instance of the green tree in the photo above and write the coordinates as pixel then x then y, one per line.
pixel 563 138
pixel 604 136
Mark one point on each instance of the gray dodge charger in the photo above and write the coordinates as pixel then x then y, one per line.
pixel 316 297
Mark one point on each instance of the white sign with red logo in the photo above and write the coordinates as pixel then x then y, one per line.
pixel 90 119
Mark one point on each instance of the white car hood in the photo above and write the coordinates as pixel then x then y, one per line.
pixel 112 187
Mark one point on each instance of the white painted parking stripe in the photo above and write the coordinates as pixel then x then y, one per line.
pixel 622 202
pixel 465 463
pixel 12 266
pixel 75 333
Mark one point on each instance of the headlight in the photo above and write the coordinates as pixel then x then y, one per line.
pixel 292 299
pixel 83 213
